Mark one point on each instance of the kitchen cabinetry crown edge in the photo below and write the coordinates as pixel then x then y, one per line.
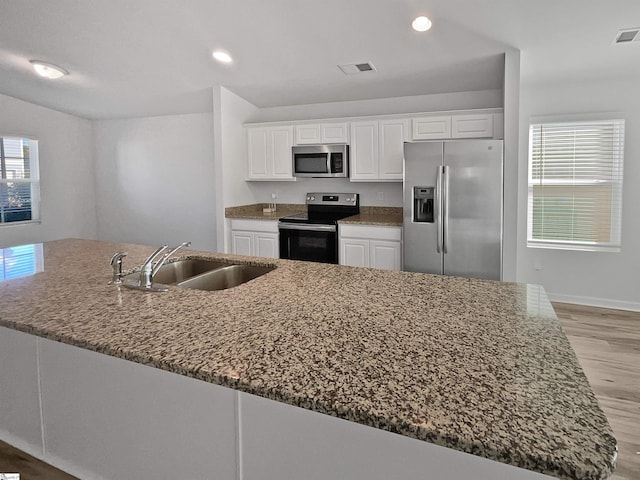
pixel 377 117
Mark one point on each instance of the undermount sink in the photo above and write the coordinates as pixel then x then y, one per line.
pixel 179 271
pixel 201 274
pixel 225 277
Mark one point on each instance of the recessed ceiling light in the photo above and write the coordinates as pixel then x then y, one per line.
pixel 421 24
pixel 221 56
pixel 48 70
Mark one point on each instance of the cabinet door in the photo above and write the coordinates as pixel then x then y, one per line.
pixel 472 126
pixel 258 152
pixel 111 418
pixel 364 151
pixel 384 254
pixel 335 133
pixel 393 134
pixel 431 128
pixel 308 134
pixel 354 252
pixel 242 243
pixel 267 245
pixel 281 157
pixel 19 388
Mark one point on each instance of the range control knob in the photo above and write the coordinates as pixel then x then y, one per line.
pixel 313 198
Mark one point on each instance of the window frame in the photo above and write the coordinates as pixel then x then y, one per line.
pixel 33 180
pixel 615 243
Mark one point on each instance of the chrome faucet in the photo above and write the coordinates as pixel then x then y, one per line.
pixel 116 264
pixel 149 269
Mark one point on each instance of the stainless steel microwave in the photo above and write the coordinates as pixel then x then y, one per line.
pixel 321 161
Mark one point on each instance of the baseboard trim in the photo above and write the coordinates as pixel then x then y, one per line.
pixel 595 302
pixel 36 451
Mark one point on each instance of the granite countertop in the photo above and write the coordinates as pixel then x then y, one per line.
pixel 387 216
pixel 383 216
pixel 254 211
pixel 478 366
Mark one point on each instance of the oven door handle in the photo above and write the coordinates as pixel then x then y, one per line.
pixel 309 228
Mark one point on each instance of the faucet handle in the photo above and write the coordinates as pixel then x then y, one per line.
pixel 116 264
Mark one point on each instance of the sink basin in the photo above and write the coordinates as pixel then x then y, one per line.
pixel 225 277
pixel 199 274
pixel 176 272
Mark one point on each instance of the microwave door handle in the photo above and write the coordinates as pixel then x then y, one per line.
pixel 329 162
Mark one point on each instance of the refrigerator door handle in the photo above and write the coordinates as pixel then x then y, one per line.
pixel 439 194
pixel 445 211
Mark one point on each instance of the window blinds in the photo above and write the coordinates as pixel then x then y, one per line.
pixel 19 184
pixel 575 185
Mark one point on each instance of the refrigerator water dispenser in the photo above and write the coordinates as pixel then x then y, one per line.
pixel 423 204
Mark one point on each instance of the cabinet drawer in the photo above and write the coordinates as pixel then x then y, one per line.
pixel 270 226
pixel 371 232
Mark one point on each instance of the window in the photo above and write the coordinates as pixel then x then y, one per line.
pixel 575 185
pixel 19 180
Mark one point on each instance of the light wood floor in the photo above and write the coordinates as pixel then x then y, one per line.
pixel 607 343
pixel 13 460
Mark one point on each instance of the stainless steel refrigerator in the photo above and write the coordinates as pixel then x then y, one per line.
pixel 453 194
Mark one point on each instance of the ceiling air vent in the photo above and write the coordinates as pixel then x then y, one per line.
pixel 628 35
pixel 352 68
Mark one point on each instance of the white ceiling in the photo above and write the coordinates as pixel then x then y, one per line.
pixel 153 57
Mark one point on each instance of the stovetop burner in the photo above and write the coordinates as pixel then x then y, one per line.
pixel 326 208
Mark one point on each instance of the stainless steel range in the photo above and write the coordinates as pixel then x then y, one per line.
pixel 313 236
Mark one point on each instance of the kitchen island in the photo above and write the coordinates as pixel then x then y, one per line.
pixel 473 366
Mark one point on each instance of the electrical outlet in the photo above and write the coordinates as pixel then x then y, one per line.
pixel 381 196
pixel 537 265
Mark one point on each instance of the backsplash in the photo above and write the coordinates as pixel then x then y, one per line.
pixel 385 194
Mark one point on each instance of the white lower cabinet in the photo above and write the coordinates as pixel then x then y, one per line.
pixel 104 418
pixel 371 246
pixel 258 238
pixel 279 441
pixel 19 390
pixel 99 417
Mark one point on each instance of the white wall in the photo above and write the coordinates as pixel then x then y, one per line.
pixel 66 172
pixel 384 106
pixel 592 278
pixel 155 180
pixel 387 194
pixel 234 112
pixel 511 151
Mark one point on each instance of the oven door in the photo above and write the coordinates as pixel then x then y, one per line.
pixel 313 243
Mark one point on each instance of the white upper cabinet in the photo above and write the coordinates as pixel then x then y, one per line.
pixel 393 133
pixel 377 149
pixel 472 126
pixel 441 127
pixel 269 152
pixel 363 151
pixel 319 133
pixel 431 128
pixel 376 143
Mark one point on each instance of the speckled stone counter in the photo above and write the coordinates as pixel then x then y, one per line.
pixel 384 216
pixel 254 211
pixel 478 366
